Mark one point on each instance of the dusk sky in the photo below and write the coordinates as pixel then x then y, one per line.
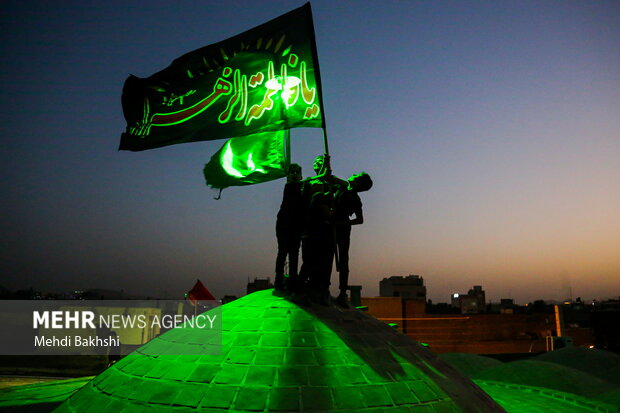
pixel 491 130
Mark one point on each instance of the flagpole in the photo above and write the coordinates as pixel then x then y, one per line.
pixel 317 73
pixel 287 156
pixel 327 160
pixel 325 144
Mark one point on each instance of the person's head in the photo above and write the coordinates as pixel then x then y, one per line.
pixel 319 161
pixel 294 173
pixel 360 182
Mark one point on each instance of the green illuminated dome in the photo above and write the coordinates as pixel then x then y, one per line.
pixel 280 357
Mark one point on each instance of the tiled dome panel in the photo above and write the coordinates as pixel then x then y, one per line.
pixel 281 357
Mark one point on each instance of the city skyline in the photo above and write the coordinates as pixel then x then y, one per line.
pixel 490 131
pixel 122 293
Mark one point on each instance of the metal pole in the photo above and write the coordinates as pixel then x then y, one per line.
pixel 287 150
pixel 325 141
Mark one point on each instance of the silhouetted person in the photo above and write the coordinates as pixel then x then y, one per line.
pixel 347 204
pixel 317 236
pixel 319 166
pixel 289 226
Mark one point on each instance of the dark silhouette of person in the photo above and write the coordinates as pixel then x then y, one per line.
pixel 318 241
pixel 330 202
pixel 288 228
pixel 319 166
pixel 347 204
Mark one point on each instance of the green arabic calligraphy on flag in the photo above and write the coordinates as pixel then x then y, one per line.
pixel 248 160
pixel 265 79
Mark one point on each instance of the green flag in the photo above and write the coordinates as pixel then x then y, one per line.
pixel 248 160
pixel 265 79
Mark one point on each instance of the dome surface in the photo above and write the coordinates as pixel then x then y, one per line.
pixel 278 356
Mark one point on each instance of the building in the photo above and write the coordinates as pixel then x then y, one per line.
pixel 466 326
pixel 400 298
pixel 229 298
pixel 474 302
pixel 258 284
pixel 411 286
pixel 506 306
